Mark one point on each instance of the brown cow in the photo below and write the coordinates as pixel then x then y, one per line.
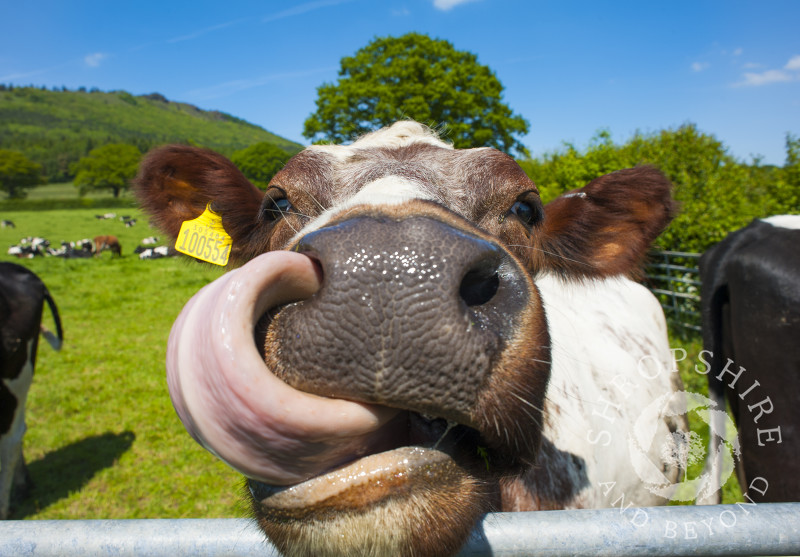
pixel 432 341
pixel 110 243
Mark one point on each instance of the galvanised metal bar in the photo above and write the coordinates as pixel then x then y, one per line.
pixel 741 529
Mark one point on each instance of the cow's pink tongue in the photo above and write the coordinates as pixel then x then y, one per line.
pixel 233 405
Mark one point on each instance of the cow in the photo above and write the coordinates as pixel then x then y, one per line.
pixel 22 298
pixel 74 250
pixel 750 302
pixel 432 342
pixel 154 253
pixel 30 247
pixel 102 243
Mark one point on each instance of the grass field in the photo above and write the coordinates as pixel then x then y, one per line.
pixel 66 190
pixel 103 440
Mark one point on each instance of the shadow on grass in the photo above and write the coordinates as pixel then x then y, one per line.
pixel 69 468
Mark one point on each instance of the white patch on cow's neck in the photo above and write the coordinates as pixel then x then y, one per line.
pixel 792 222
pixel 389 190
pixel 601 332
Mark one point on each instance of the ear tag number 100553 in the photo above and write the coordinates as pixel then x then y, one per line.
pixel 205 239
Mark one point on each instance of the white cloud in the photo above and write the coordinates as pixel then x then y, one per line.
pixel 93 60
pixel 738 52
pixel 446 5
pixel 793 63
pixel 765 78
pixel 700 66
pixel 789 72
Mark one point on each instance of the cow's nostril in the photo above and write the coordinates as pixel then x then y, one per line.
pixel 479 286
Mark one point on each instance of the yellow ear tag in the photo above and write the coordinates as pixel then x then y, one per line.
pixel 205 239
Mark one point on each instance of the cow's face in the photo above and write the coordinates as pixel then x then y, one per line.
pixel 401 351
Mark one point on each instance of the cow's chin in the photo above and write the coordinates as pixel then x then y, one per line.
pixel 390 503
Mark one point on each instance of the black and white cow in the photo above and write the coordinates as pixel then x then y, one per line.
pixel 155 253
pixel 22 298
pixel 431 341
pixel 72 250
pixel 751 337
pixel 29 247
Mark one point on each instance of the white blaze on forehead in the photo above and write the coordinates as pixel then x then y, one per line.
pixel 389 190
pixel 791 222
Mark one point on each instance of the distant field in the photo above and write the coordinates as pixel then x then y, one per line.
pixel 67 190
pixel 65 196
pixel 103 440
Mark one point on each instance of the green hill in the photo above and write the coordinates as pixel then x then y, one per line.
pixel 56 128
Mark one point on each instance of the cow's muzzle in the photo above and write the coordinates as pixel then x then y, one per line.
pixel 407 350
pixel 413 313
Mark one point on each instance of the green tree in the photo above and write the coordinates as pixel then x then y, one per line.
pixel 420 78
pixel 18 173
pixel 260 162
pixel 717 193
pixel 110 167
pixel 786 192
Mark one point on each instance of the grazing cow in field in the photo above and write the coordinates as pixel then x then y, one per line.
pixel 432 342
pixel 102 243
pixel 22 298
pixel 751 335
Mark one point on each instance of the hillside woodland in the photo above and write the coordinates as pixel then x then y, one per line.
pixel 56 128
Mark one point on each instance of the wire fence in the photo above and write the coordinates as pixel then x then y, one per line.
pixel 674 278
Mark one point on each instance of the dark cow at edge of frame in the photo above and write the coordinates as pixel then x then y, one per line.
pixel 414 339
pixel 751 335
pixel 22 298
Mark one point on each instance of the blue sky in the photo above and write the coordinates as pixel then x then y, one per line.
pixel 570 68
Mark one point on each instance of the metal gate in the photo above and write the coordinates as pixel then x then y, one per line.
pixel 740 529
pixel 674 278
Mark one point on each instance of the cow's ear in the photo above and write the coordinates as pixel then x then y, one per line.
pixel 606 227
pixel 175 184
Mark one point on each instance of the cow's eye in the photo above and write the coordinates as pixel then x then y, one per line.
pixel 528 209
pixel 275 205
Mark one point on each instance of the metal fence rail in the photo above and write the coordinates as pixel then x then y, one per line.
pixel 674 278
pixel 741 529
